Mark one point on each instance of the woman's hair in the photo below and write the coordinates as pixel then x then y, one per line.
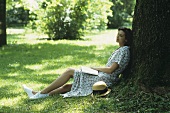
pixel 128 35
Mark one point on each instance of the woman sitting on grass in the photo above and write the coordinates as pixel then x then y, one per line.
pixel 83 82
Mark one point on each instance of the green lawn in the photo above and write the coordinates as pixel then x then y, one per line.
pixel 28 60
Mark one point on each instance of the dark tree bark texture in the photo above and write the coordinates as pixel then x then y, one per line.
pixel 3 22
pixel 151 43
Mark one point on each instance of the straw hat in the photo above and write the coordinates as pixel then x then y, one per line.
pixel 100 89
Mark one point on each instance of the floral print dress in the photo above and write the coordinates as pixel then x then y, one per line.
pixel 83 82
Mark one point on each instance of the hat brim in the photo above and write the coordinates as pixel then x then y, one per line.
pixel 102 95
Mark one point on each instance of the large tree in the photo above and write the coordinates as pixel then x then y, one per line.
pixel 150 65
pixel 146 88
pixel 3 22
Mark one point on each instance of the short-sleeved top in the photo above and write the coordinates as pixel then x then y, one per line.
pixel 121 56
pixel 83 82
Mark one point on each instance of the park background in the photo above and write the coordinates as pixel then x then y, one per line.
pixel 44 37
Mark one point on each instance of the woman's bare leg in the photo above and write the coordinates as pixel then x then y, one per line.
pixel 59 82
pixel 63 89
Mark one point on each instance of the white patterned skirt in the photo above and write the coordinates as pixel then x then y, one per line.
pixel 82 84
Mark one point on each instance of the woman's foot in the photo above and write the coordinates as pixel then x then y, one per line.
pixel 28 91
pixel 39 95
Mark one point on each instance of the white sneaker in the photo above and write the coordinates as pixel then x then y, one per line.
pixel 28 91
pixel 39 95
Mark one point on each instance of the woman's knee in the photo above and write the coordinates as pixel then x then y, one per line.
pixel 67 87
pixel 70 71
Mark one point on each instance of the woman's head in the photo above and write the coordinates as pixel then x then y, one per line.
pixel 124 36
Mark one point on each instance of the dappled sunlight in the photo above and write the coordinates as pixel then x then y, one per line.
pixel 68 58
pixel 10 94
pixel 45 72
pixel 39 107
pixel 36 63
pixel 10 102
pixel 42 69
pixel 35 67
pixel 15 65
pixel 13 74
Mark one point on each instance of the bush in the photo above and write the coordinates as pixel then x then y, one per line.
pixel 71 19
pixel 17 17
pixel 122 13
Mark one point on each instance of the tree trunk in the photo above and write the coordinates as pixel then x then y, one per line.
pixel 3 22
pixel 151 43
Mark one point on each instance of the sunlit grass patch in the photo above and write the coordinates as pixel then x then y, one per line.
pixel 27 60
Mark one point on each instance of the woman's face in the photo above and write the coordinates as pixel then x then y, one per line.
pixel 121 38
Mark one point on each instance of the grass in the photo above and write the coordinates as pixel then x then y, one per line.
pixel 27 60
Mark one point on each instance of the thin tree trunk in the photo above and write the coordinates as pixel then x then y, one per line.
pixel 3 22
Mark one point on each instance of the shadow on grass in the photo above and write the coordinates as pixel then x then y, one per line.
pixel 21 63
pixel 18 59
pixel 7 91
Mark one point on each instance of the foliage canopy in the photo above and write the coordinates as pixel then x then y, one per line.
pixel 122 13
pixel 70 19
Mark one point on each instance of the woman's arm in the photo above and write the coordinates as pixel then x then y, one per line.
pixel 108 70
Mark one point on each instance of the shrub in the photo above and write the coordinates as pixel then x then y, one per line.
pixel 70 19
pixel 17 16
pixel 122 13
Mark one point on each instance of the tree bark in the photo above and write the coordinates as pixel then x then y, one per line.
pixel 3 22
pixel 150 51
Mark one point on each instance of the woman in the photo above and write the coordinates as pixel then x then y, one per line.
pixel 83 82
